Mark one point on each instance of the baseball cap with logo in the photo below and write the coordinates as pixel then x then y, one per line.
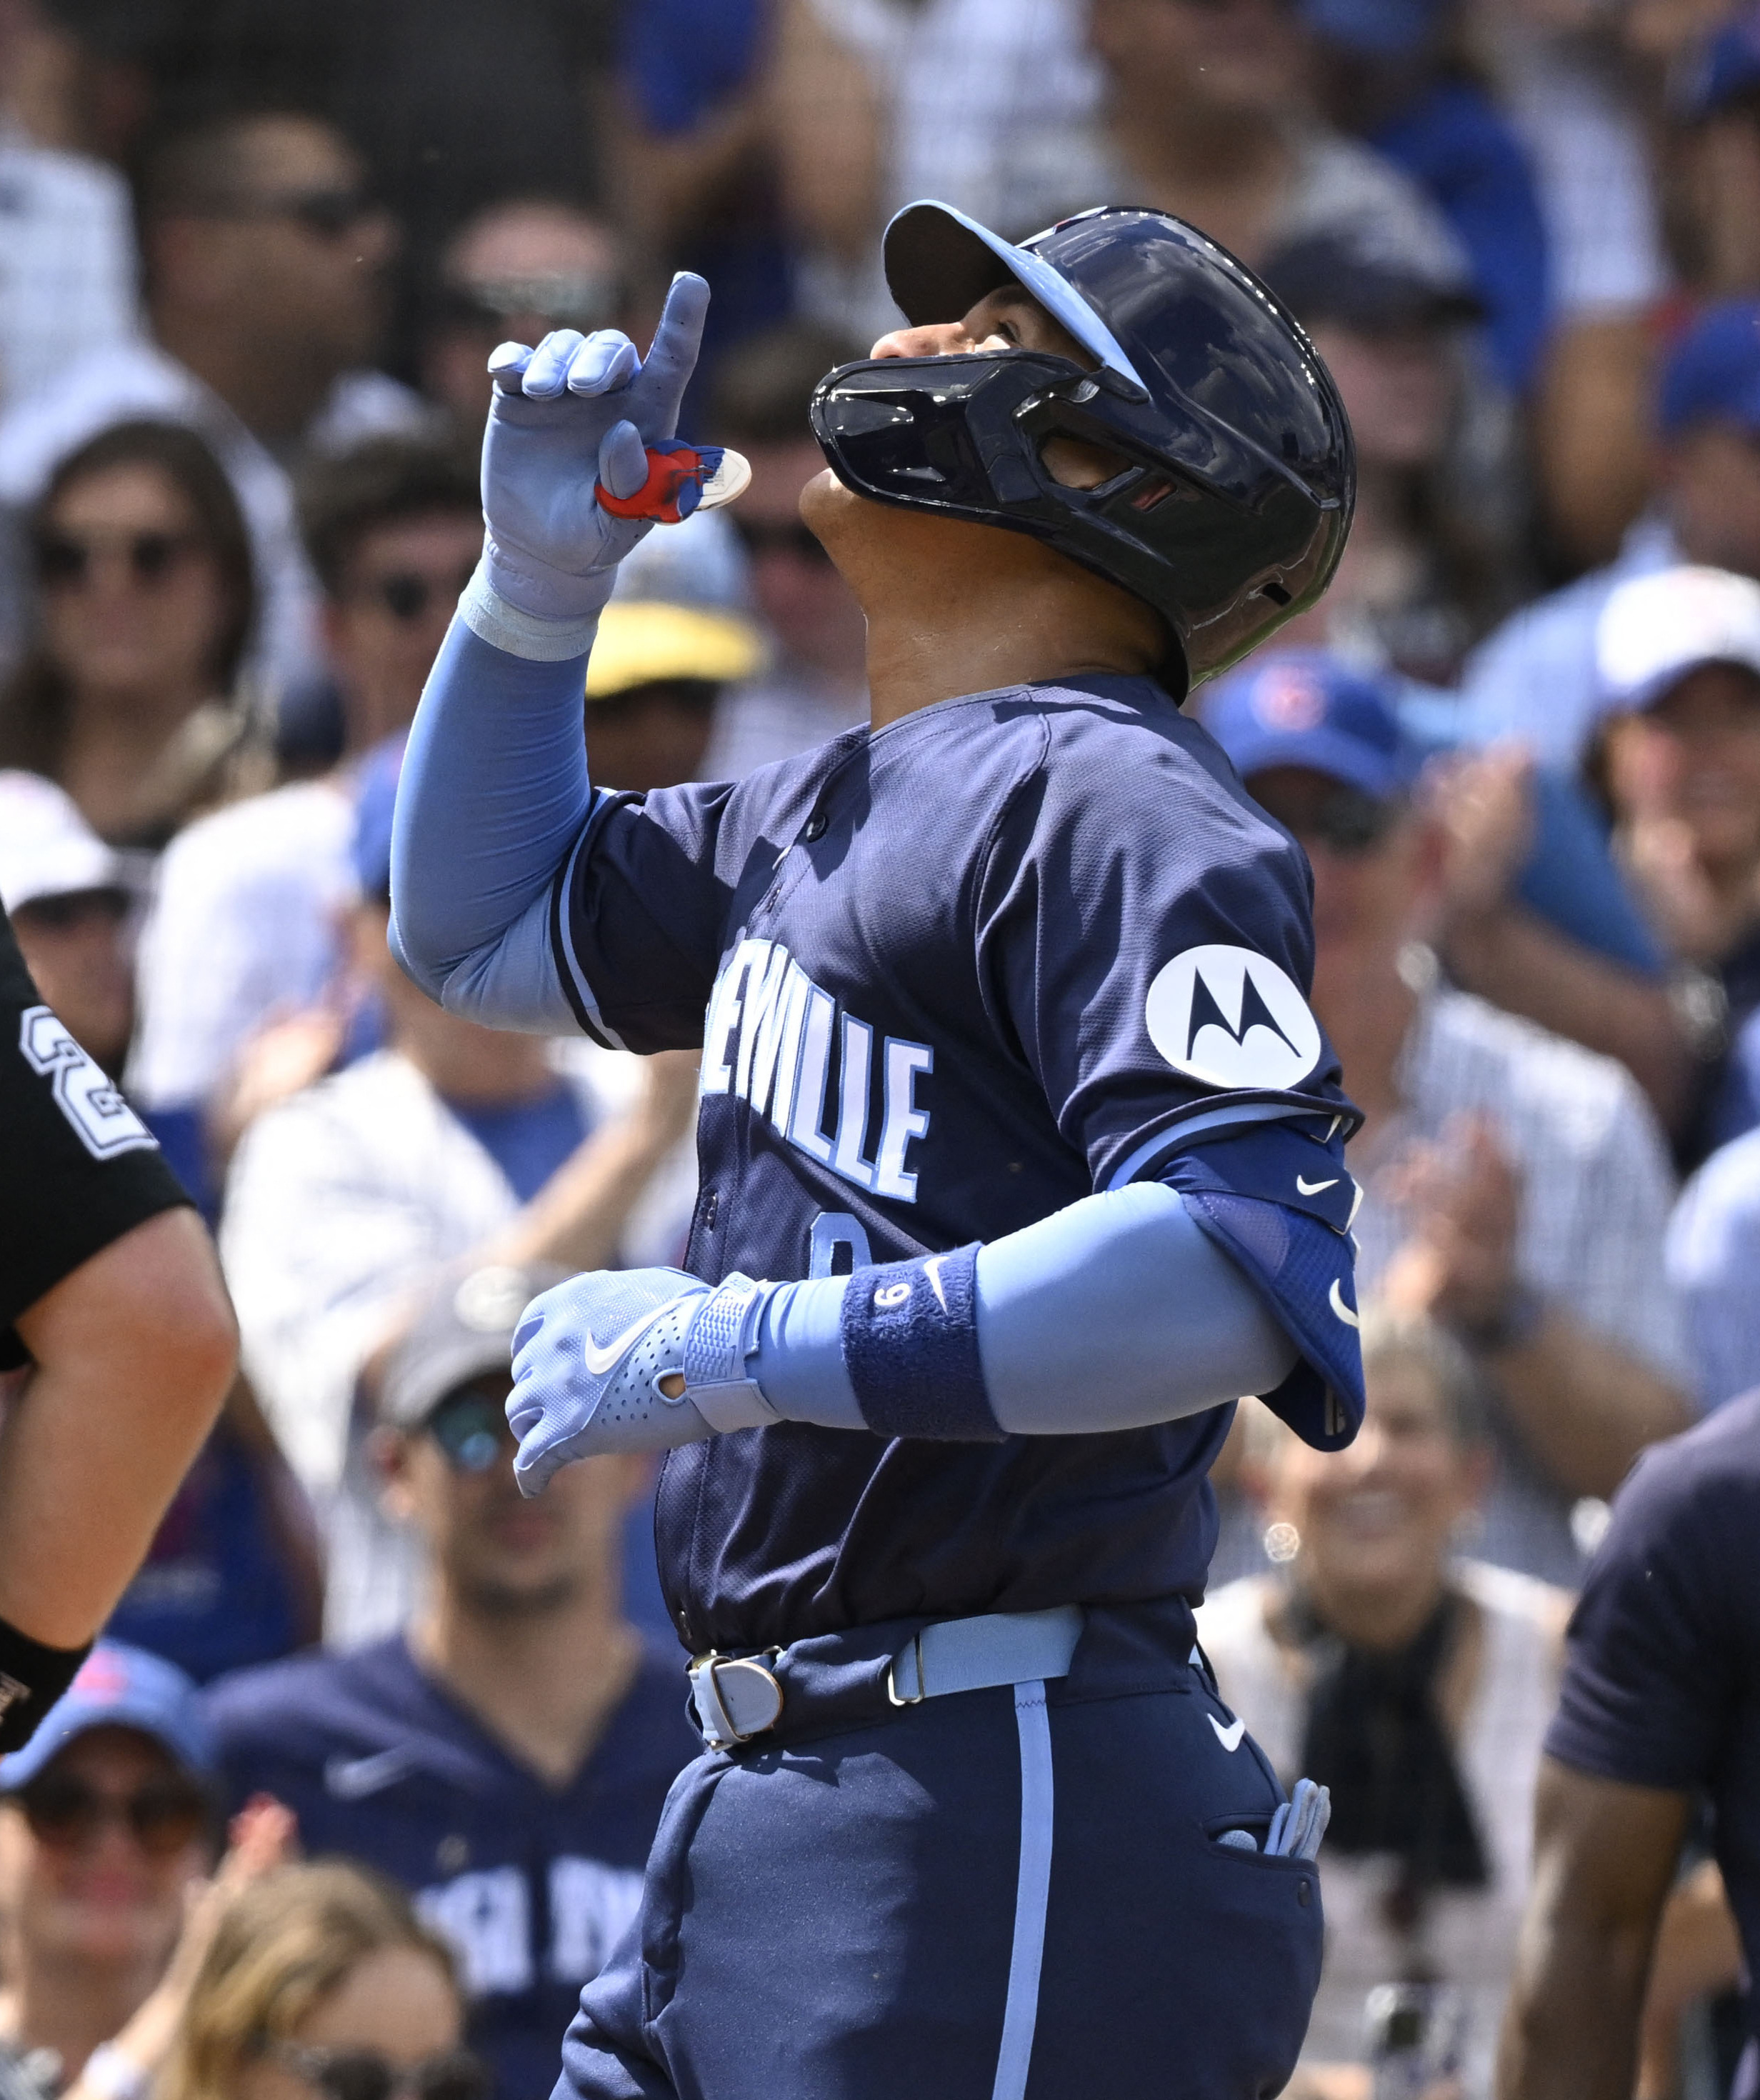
pixel 465 1330
pixel 47 847
pixel 119 1687
pixel 1713 374
pixel 1303 707
pixel 1654 629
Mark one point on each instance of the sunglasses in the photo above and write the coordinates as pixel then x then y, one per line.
pixel 470 1426
pixel 69 1814
pixel 328 213
pixel 365 2074
pixel 408 595
pixel 1347 822
pixel 585 300
pixel 65 561
pixel 760 539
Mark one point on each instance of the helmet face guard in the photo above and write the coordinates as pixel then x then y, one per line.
pixel 1232 497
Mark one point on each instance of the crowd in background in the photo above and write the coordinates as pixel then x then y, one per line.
pixel 253 255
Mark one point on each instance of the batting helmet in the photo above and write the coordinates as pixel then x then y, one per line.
pixel 1231 512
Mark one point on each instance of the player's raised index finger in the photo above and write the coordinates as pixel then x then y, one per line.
pixel 673 356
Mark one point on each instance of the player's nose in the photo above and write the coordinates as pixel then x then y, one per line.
pixel 938 339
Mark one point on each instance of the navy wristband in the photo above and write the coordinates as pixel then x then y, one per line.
pixel 910 1343
pixel 31 1678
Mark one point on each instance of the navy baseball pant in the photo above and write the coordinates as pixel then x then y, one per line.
pixel 1014 1894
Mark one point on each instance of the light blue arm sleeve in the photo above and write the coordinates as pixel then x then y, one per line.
pixel 1115 1313
pixel 493 797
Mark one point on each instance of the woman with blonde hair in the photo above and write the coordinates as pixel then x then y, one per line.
pixel 321 1979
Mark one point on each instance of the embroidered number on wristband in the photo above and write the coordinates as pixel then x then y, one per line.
pixel 910 1343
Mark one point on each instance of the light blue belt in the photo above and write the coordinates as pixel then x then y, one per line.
pixel 737 1697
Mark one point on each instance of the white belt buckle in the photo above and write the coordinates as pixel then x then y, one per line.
pixel 921 1693
pixel 719 1683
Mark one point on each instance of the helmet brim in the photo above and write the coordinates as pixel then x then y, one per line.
pixel 940 263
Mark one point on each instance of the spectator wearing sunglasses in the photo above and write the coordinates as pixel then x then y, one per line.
pixel 503 1755
pixel 143 599
pixel 249 918
pixel 815 686
pixel 510 274
pixel 1515 1188
pixel 322 1983
pixel 450 1143
pixel 264 258
pixel 107 1823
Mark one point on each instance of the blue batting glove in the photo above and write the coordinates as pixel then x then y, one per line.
pixel 632 1360
pixel 577 411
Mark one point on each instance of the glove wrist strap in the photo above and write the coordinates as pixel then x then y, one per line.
pixel 723 1334
pixel 495 619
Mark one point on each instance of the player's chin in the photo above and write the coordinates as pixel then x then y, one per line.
pixel 825 503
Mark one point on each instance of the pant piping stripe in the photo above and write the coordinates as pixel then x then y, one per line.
pixel 1032 1892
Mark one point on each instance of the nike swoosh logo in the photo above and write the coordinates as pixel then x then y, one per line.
pixel 932 1270
pixel 1335 1300
pixel 1229 1737
pixel 600 1357
pixel 1313 1188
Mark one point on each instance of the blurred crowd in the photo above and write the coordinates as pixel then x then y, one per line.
pixel 357 1792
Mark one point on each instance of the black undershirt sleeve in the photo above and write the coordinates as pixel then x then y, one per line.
pixel 77 1167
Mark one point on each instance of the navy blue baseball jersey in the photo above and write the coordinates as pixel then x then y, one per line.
pixel 957 974
pixel 1662 1677
pixel 534 1884
pixel 950 977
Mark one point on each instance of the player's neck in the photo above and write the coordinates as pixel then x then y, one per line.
pixel 950 611
pixel 542 1683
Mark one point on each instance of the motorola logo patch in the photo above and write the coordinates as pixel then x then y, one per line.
pixel 1231 1018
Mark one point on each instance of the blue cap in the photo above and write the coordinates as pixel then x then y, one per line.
pixel 1713 374
pixel 1301 706
pixel 375 799
pixel 1377 29
pixel 1726 65
pixel 120 1688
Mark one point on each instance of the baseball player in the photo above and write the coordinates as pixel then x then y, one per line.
pixel 1021 1156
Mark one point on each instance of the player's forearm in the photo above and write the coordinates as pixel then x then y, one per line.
pixel 493 799
pixel 1115 1313
pixel 135 1351
pixel 1584 1408
pixel 1571 2029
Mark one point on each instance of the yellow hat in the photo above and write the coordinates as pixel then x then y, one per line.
pixel 641 640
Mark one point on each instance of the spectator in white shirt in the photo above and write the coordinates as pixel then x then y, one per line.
pixel 1514 1187
pixel 264 259
pixel 1416 1685
pixel 453 1144
pixel 246 926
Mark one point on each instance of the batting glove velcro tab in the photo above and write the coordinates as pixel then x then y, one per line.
pixel 632 1360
